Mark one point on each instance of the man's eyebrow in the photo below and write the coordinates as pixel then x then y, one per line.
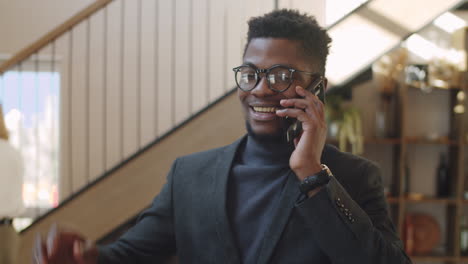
pixel 247 63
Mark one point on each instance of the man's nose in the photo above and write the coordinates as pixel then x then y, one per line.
pixel 262 89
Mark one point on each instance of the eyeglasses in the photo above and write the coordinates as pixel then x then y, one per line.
pixel 279 77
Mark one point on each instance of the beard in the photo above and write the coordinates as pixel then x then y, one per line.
pixel 277 137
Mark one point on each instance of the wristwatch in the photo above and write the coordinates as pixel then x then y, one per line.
pixel 316 180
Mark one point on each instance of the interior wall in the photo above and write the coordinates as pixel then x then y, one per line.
pixel 24 21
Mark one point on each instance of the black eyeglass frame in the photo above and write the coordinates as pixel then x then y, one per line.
pixel 266 72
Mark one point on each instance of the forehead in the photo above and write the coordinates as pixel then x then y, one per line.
pixel 266 52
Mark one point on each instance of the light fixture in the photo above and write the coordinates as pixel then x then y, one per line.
pixel 449 22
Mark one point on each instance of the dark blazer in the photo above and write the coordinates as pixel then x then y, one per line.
pixel 347 222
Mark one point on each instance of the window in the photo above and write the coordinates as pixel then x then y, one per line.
pixel 30 101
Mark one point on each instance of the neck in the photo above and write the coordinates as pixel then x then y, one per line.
pixel 267 151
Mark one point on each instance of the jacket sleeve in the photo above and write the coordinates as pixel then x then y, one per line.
pixel 354 231
pixel 152 239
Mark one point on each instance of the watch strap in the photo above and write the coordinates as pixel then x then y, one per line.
pixel 319 179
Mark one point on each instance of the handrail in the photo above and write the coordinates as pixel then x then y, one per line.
pixel 53 34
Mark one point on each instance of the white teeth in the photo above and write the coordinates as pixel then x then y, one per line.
pixel 264 109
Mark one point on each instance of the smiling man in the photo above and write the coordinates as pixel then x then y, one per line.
pixel 272 196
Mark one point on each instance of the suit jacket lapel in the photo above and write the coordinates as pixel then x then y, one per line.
pixel 221 175
pixel 283 211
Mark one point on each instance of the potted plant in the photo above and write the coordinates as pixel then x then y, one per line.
pixel 344 123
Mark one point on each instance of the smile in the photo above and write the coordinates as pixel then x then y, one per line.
pixel 263 109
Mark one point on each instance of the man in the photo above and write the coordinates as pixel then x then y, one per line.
pixel 262 199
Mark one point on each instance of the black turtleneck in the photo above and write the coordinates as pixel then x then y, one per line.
pixel 257 178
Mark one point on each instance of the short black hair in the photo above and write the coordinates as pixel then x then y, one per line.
pixel 290 24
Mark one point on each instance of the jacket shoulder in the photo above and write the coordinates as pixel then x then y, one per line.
pixel 204 159
pixel 352 171
pixel 334 158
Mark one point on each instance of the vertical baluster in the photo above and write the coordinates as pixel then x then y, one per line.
pixel 173 63
pixel 225 48
pixel 87 104
pixel 20 98
pixel 138 105
pixel 2 88
pixel 70 107
pixel 21 119
pixel 104 91
pixel 156 67
pixel 208 44
pixel 36 124
pixel 54 107
pixel 122 73
pixel 190 57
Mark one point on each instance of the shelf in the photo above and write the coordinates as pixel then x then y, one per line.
pixel 431 200
pixel 395 200
pixel 416 86
pixel 407 140
pixel 376 141
pixel 383 141
pixel 433 258
pixel 426 141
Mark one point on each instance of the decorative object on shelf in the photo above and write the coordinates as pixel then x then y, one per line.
pixel 415 196
pixel 385 117
pixel 346 120
pixel 408 235
pixel 459 108
pixel 443 177
pixel 426 233
pixel 407 177
pixel 444 69
pixel 464 235
pixel 417 75
pixel 386 72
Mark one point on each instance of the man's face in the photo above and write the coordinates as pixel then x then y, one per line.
pixel 259 105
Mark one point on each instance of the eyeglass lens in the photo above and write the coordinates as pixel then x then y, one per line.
pixel 279 78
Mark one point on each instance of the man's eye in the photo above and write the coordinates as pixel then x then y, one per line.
pixel 248 77
pixel 284 77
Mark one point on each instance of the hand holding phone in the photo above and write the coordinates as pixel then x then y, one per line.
pixel 309 132
pixel 295 129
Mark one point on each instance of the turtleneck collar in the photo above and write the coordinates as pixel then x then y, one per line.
pixel 266 152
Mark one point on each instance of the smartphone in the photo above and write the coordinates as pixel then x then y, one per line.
pixel 295 129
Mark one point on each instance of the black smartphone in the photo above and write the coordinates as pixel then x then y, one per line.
pixel 295 129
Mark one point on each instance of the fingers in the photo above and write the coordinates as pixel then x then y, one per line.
pixel 52 240
pixel 60 247
pixel 299 114
pixel 309 103
pixel 40 251
pixel 84 251
pixel 78 252
pixel 307 108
